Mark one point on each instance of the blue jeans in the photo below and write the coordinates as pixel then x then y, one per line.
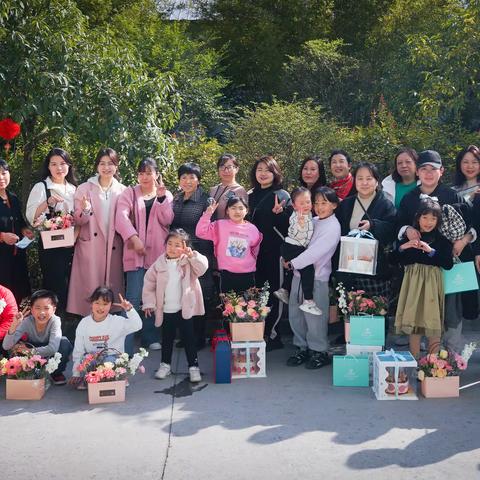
pixel 65 349
pixel 149 333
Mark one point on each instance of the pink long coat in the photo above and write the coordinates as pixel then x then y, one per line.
pixel 155 283
pixel 153 237
pixel 98 253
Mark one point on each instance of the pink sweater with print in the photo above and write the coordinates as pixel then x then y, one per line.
pixel 236 244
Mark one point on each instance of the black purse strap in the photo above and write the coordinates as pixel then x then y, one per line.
pixel 48 193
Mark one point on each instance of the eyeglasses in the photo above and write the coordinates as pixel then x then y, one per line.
pixel 228 168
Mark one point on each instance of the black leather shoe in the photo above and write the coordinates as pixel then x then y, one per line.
pixel 299 357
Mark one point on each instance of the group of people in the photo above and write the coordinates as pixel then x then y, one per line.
pixel 171 255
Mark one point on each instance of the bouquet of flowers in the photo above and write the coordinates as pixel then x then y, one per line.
pixel 29 366
pixel 59 221
pixel 356 302
pixel 105 366
pixel 445 363
pixel 251 306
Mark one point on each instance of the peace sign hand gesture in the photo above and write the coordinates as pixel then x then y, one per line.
pixel 124 303
pixel 212 206
pixel 18 319
pixel 86 205
pixel 161 189
pixel 278 207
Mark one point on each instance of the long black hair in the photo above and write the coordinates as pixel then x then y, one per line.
pixel 459 176
pixel 60 152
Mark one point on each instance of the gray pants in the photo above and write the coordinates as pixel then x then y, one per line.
pixel 309 331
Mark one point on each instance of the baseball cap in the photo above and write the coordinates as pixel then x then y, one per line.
pixel 429 157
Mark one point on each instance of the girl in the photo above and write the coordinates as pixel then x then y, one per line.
pixel 236 244
pixel 171 289
pixel 98 252
pixel 310 331
pixel 101 329
pixel 420 308
pixel 54 193
pixel 144 214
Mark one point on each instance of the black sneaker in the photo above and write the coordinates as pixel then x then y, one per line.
pixel 299 357
pixel 58 379
pixel 274 344
pixel 318 360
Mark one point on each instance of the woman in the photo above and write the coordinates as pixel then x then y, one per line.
pixel 144 214
pixel 188 206
pixel 98 251
pixel 340 165
pixel 53 194
pixel 13 260
pixel 430 171
pixel 467 173
pixel 270 211
pixel 403 178
pixel 227 166
pixel 368 210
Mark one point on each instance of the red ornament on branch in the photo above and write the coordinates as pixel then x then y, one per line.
pixel 9 129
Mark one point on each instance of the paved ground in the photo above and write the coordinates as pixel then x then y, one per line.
pixel 291 425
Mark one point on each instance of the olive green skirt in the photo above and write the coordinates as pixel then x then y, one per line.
pixel 421 302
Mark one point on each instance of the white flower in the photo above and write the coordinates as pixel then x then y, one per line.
pixel 108 365
pixel 3 304
pixel 53 363
pixel 468 350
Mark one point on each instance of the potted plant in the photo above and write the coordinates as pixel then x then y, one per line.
pixel 247 313
pixel 106 373
pixel 368 314
pixel 57 231
pixel 439 373
pixel 26 373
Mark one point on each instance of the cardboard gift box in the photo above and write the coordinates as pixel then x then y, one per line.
pixel 461 278
pixel 107 392
pixel 248 360
pixel 222 357
pixel 58 238
pixel 447 387
pixel 367 330
pixel 394 375
pixel 25 389
pixel 358 255
pixel 350 371
pixel 247 331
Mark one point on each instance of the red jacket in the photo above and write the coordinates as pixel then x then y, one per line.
pixel 9 311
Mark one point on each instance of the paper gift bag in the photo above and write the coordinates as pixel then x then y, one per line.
pixel 222 357
pixel 358 255
pixel 350 371
pixel 461 278
pixel 367 330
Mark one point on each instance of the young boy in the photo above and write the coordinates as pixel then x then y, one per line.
pixel 300 233
pixel 42 329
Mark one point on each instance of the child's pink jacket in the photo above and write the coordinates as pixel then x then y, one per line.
pixel 236 244
pixel 155 283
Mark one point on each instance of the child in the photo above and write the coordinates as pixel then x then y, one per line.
pixel 41 329
pixel 300 233
pixel 101 329
pixel 310 331
pixel 420 309
pixel 171 289
pixel 236 244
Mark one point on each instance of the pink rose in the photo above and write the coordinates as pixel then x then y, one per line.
pixel 251 304
pixel 241 314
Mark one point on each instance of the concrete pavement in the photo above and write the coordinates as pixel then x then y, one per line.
pixel 292 424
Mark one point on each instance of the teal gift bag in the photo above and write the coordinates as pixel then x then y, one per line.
pixel 367 330
pixel 461 278
pixel 350 371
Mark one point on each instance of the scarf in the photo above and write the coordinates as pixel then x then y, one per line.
pixel 342 187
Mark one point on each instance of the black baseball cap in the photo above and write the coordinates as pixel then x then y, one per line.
pixel 429 157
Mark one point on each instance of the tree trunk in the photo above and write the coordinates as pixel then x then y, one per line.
pixel 28 137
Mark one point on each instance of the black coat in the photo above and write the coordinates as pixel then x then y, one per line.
pixel 13 261
pixel 381 214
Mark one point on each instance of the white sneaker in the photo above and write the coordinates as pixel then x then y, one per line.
pixel 195 376
pixel 155 346
pixel 82 386
pixel 309 306
pixel 282 294
pixel 163 371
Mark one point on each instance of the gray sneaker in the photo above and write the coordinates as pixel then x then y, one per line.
pixel 195 375
pixel 282 294
pixel 164 370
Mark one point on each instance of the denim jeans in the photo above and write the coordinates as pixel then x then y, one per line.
pixel 149 333
pixel 65 349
